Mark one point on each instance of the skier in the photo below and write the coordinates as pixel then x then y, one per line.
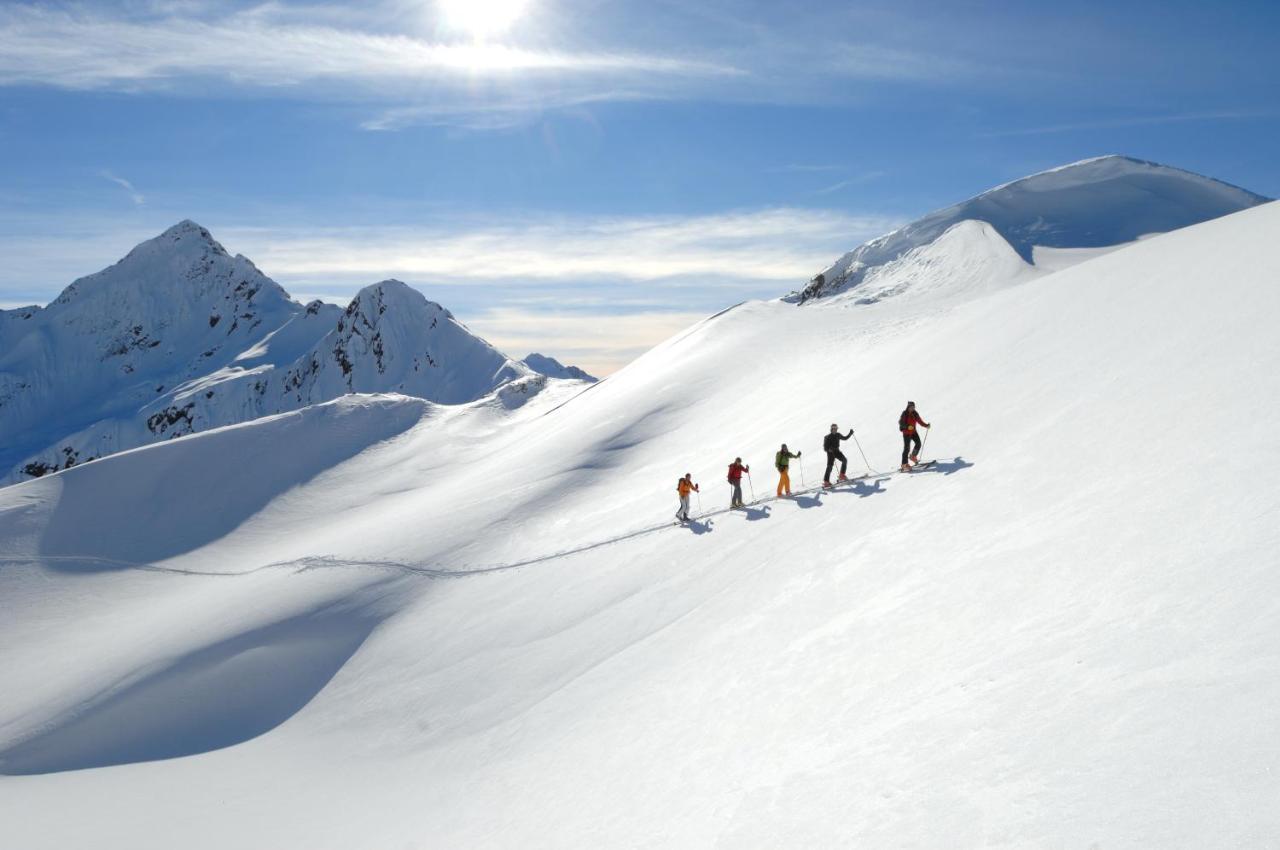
pixel 831 445
pixel 684 487
pixel 735 481
pixel 907 423
pixel 782 460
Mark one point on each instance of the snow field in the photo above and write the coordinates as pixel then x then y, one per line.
pixel 1064 637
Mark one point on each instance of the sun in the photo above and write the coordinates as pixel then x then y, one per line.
pixel 481 19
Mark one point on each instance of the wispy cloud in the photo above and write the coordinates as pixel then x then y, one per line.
pixel 782 244
pixel 263 49
pixel 803 168
pixel 1135 121
pixel 598 290
pixel 134 194
pixel 361 55
pixel 857 180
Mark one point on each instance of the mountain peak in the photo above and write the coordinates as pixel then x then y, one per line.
pixel 1094 203
pixel 187 232
pixel 398 295
pixel 553 368
pixel 1111 167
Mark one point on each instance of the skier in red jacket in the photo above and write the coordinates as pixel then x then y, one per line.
pixel 907 423
pixel 735 481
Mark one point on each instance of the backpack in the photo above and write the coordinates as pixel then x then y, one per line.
pixel 902 421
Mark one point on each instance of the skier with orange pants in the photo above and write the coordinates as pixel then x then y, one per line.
pixel 907 423
pixel 782 462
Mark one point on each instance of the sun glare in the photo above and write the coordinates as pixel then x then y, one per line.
pixel 481 19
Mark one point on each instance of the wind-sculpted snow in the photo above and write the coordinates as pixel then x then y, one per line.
pixel 150 505
pixel 204 699
pixel 1095 203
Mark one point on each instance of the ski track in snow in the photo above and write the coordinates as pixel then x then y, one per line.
pixel 317 562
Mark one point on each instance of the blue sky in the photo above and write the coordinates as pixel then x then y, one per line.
pixel 586 177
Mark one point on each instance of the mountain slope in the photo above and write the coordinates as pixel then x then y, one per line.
pixel 1094 203
pixel 1045 642
pixel 180 336
pixel 174 307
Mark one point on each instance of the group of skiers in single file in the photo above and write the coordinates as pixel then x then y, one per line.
pixel 911 445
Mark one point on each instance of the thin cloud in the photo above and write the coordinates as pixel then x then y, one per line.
pixel 91 52
pixel 134 194
pixel 357 56
pixel 597 290
pixel 1139 121
pixel 782 244
pixel 852 181
pixel 802 168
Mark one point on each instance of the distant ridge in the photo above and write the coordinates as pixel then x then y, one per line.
pixel 1093 203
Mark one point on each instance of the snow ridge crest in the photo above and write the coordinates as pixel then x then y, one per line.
pixel 1094 203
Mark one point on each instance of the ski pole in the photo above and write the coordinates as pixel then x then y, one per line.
pixel 864 454
pixel 803 486
pixel 751 485
pixel 925 440
pixel 699 492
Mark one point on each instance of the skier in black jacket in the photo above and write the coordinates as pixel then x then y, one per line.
pixel 831 445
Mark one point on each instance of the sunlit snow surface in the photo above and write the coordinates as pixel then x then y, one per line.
pixel 348 626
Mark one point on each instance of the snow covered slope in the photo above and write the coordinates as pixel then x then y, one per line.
pixel 475 625
pixel 180 336
pixel 1095 203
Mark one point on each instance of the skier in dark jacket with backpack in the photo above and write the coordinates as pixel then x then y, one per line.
pixel 907 423
pixel 831 445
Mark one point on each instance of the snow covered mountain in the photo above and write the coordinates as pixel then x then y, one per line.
pixel 1095 203
pixel 553 368
pixel 396 623
pixel 180 336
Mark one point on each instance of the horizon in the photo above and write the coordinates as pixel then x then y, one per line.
pixel 577 181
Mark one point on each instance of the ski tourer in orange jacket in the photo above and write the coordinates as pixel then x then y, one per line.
pixel 684 487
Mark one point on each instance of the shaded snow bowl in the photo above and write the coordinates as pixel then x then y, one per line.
pixel 214 697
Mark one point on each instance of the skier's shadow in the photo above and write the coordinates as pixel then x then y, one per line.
pixel 860 488
pixel 699 526
pixel 950 467
pixel 753 514
pixel 808 501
